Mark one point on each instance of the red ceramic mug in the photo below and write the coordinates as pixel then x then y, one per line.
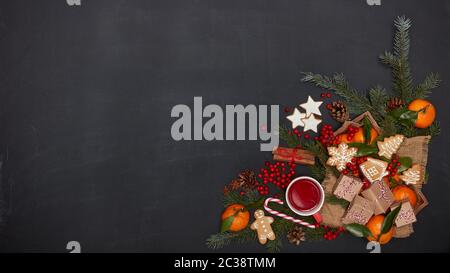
pixel 305 197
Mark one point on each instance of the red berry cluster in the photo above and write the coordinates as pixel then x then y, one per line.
pixel 298 134
pixel 325 95
pixel 331 234
pixel 394 165
pixel 351 131
pixel 326 136
pixel 279 173
pixel 353 166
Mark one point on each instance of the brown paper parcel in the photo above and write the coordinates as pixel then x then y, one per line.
pixel 381 196
pixel 331 213
pixel 360 211
pixel 347 187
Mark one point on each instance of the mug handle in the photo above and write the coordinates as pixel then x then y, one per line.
pixel 317 217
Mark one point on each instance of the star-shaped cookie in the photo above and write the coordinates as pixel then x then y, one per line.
pixel 311 107
pixel 296 118
pixel 311 123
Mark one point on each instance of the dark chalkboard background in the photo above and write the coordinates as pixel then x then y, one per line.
pixel 86 94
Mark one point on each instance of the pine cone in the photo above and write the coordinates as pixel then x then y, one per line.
pixel 296 235
pixel 339 111
pixel 246 180
pixel 395 103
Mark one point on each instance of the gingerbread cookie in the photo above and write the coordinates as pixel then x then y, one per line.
pixel 262 226
pixel 390 145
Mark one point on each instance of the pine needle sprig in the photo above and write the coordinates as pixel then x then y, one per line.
pixel 398 61
pixel 317 171
pixel 432 81
pixel 433 130
pixel 356 102
pixel 378 98
pixel 291 140
pixel 274 246
pixel 314 234
pixel 223 239
pixel 233 197
pixel 390 126
pixel 389 59
pixel 281 227
pixel 332 199
pixel 408 130
pixel 403 82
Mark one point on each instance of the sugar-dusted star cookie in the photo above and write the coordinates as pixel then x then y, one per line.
pixel 310 123
pixel 311 107
pixel 296 118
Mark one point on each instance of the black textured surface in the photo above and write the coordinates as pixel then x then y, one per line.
pixel 86 94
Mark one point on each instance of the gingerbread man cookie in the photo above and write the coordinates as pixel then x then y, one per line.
pixel 262 226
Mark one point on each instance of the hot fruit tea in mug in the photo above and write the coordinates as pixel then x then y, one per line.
pixel 304 195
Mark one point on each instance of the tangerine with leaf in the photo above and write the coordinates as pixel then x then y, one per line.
pixel 426 113
pixel 374 225
pixel 235 218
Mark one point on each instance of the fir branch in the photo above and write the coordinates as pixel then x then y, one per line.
pixel 433 130
pixel 291 139
pixel 281 227
pixel 274 246
pixel 223 239
pixel 314 234
pixel 389 125
pixel 378 98
pixel 424 89
pixel 409 131
pixel 233 197
pixel 403 82
pixel 321 154
pixel 399 63
pixel 356 102
pixel 317 171
pixel 388 58
pixel 332 199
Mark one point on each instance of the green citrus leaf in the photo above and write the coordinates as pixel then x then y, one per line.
pixel 226 223
pixel 364 149
pixel 358 230
pixel 405 163
pixel 405 116
pixel 367 126
pixel 389 220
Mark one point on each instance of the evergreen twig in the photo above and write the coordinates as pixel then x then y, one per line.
pixel 223 239
pixel 233 197
pixel 332 199
pixel 378 98
pixel 424 89
pixel 314 234
pixel 291 140
pixel 398 61
pixel 356 102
